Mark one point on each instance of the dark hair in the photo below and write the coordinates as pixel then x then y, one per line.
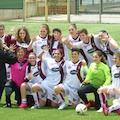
pixel 83 31
pixel 61 52
pixel 104 31
pixel 100 54
pixel 2 25
pixel 57 30
pixel 73 25
pixel 75 50
pixel 46 27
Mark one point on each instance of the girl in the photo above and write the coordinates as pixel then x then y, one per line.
pixel 17 74
pixel 75 71
pixel 54 75
pixel 56 43
pixel 43 39
pixel 98 75
pixel 107 92
pixel 87 44
pixel 22 39
pixel 32 77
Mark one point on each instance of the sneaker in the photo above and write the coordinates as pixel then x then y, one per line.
pixel 35 106
pixel 88 105
pixel 105 110
pixel 100 110
pixel 23 105
pixel 118 111
pixel 62 106
pixel 7 105
pixel 92 103
pixel 69 103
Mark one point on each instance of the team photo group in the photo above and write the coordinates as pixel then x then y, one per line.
pixel 43 69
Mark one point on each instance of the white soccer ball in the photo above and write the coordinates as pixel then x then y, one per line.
pixel 81 109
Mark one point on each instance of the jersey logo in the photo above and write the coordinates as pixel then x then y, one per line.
pixel 55 69
pixel 91 50
pixel 36 74
pixel 73 72
pixel 116 75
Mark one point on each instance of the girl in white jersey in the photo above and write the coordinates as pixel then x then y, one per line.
pixel 107 92
pixel 87 44
pixel 56 43
pixel 108 45
pixel 75 71
pixel 38 42
pixel 54 76
pixel 32 77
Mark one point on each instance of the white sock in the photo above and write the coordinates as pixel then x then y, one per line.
pixel 102 97
pixel 114 107
pixel 36 98
pixel 60 98
pixel 24 100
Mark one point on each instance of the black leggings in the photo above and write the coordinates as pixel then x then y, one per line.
pixel 17 93
pixel 88 88
pixel 1 90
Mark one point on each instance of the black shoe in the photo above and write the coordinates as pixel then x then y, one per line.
pixel 7 105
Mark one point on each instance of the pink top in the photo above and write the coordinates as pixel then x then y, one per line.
pixel 18 71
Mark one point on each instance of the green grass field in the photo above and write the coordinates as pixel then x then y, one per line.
pixel 48 113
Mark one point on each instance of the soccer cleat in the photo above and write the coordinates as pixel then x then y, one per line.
pixel 105 110
pixel 92 103
pixel 118 111
pixel 62 105
pixel 100 110
pixel 88 105
pixel 23 105
pixel 7 105
pixel 35 106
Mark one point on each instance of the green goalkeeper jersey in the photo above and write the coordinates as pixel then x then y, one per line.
pixel 98 75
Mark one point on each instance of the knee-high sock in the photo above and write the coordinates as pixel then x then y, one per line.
pixel 114 107
pixel 102 97
pixel 60 98
pixel 36 98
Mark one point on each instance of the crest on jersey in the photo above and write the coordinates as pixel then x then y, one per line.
pixel 69 67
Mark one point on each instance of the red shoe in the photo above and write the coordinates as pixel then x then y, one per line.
pixel 118 111
pixel 92 103
pixel 88 105
pixel 105 110
pixel 23 105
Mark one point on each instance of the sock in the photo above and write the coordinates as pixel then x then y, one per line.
pixel 114 107
pixel 36 98
pixel 102 97
pixel 24 100
pixel 60 98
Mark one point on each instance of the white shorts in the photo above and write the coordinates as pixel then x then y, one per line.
pixel 72 92
pixel 112 94
pixel 49 91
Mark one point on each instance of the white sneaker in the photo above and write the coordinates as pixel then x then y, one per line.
pixel 100 110
pixel 35 106
pixel 62 106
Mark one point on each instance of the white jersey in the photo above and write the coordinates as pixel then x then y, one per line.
pixel 39 45
pixel 65 49
pixel 3 38
pixel 104 47
pixel 53 76
pixel 88 49
pixel 72 40
pixel 115 76
pixel 72 79
pixel 36 75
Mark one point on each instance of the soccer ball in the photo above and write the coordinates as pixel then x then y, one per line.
pixel 81 109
